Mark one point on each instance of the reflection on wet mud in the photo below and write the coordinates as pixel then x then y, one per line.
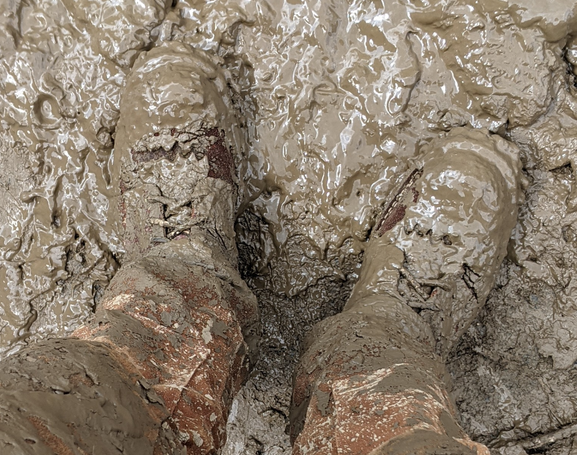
pixel 335 100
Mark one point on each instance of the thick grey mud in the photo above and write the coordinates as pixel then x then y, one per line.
pixel 334 102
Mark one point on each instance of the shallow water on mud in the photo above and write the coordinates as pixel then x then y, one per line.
pixel 337 100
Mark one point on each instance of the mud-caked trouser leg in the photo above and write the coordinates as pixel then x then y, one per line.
pixel 179 324
pixel 371 383
pixel 372 379
pixel 155 370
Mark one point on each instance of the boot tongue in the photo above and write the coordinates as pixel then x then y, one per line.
pixel 166 193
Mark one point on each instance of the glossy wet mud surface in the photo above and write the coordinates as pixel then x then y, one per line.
pixel 334 101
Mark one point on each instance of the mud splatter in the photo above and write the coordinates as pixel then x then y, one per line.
pixel 333 101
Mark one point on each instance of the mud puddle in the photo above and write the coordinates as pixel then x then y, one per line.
pixel 335 100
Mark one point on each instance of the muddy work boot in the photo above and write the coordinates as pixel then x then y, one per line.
pixel 156 369
pixel 173 152
pixel 191 323
pixel 370 381
pixel 445 232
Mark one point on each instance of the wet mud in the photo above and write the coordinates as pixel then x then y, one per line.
pixel 95 387
pixel 333 104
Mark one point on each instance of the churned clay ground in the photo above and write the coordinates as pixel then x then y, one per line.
pixel 334 99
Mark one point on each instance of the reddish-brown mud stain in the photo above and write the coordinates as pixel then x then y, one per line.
pixel 55 444
pixel 78 379
pixel 156 154
pixel 221 163
pixel 220 160
pixel 388 223
pixel 395 211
